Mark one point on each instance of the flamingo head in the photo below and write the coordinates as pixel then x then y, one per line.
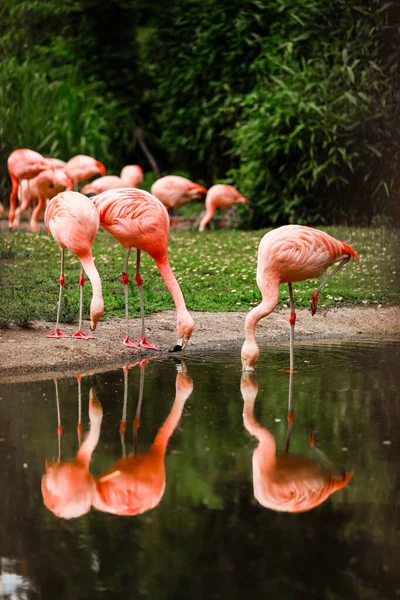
pixel 96 311
pixel 242 200
pixel 184 329
pixel 249 386
pixel 195 190
pixel 101 168
pixel 249 354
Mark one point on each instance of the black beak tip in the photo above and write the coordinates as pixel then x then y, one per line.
pixel 176 348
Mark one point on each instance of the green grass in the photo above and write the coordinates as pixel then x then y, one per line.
pixel 216 271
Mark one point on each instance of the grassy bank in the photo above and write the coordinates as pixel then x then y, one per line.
pixel 216 271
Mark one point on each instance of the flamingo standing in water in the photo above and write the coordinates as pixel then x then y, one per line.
pixel 82 167
pixel 22 164
pixel 136 483
pixel 220 196
pixel 68 488
pixel 131 176
pixel 44 186
pixel 286 482
pixel 173 190
pixel 139 220
pixel 288 254
pixel 73 222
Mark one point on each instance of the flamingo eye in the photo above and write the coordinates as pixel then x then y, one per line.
pixel 51 185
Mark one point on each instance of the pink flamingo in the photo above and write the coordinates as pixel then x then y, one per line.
pixel 288 254
pixel 68 488
pixel 73 222
pixel 220 196
pixel 131 176
pixel 82 167
pixel 136 483
pixel 286 482
pixel 44 186
pixel 139 220
pixel 173 190
pixel 56 163
pixel 22 164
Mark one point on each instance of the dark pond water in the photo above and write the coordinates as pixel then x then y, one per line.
pixel 212 504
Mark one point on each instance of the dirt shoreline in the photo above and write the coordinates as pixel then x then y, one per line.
pixel 27 354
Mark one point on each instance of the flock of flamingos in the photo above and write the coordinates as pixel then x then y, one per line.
pixel 140 220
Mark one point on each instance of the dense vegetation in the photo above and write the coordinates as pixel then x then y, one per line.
pixel 293 101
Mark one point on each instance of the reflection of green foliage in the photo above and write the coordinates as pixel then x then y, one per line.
pixel 216 272
pixel 208 537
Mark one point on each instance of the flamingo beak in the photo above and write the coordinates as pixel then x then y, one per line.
pixel 180 344
pixel 101 167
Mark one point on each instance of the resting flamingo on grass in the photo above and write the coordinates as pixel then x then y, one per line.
pixel 73 222
pixel 174 191
pixel 285 255
pixel 139 220
pixel 22 164
pixel 131 176
pixel 82 167
pixel 220 196
pixel 44 186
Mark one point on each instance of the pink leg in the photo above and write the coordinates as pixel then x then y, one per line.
pixel 39 208
pixel 143 342
pixel 292 321
pixel 79 334
pixel 125 280
pixel 314 296
pixel 13 197
pixel 57 333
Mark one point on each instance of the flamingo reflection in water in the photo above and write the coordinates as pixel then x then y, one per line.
pixel 286 482
pixel 68 487
pixel 136 483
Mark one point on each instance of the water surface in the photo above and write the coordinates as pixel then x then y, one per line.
pixel 186 472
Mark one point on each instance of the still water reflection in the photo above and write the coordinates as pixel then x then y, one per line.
pixel 176 445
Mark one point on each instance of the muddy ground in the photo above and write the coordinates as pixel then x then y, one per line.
pixel 27 354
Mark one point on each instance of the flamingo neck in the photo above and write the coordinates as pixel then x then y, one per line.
pixel 94 277
pixel 173 286
pixel 89 444
pixel 256 314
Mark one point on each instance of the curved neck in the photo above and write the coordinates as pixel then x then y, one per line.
pixel 170 281
pixel 94 277
pixel 167 429
pixel 89 444
pixel 262 310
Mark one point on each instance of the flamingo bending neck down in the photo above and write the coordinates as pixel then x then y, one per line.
pixel 288 254
pixel 22 164
pixel 131 176
pixel 139 220
pixel 174 191
pixel 73 222
pixel 68 488
pixel 82 167
pixel 220 196
pixel 136 482
pixel 287 482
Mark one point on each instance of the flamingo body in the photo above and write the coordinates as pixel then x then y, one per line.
pixel 139 220
pixel 131 176
pixel 174 191
pixel 289 254
pixel 82 167
pixel 220 196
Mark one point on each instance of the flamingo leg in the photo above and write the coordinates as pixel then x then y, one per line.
pixel 290 415
pixel 142 342
pixel 79 334
pixel 314 296
pixel 59 426
pixel 136 421
pixel 13 198
pixel 292 321
pixel 125 280
pixel 79 426
pixel 57 333
pixel 122 426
